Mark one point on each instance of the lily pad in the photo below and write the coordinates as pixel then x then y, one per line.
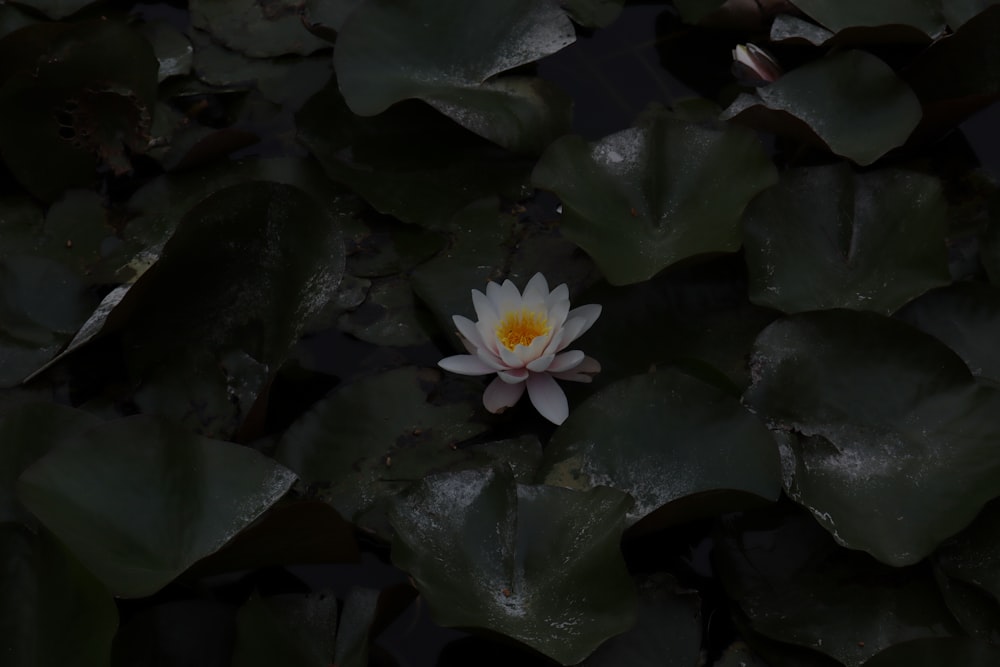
pixel 479 548
pixel 932 652
pixel 258 29
pixel 796 586
pixel 369 440
pixel 410 162
pixel 957 12
pixel 665 437
pixel 694 11
pixel 667 632
pixel 57 9
pixel 387 317
pixel 877 242
pixel 895 440
pixel 966 317
pixel 172 48
pixel 459 46
pixel 28 432
pixel 47 594
pixel 973 556
pixel 851 102
pixel 648 197
pixel 594 13
pixel 242 275
pixel 139 500
pixel 837 16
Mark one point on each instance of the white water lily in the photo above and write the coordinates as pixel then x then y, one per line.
pixel 521 338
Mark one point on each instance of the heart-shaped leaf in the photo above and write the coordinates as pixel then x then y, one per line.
pixel 139 500
pixel 642 199
pixel 480 550
pixel 877 242
pixel 935 651
pixel 258 29
pixel 837 15
pixel 851 101
pixel 371 439
pixel 894 447
pixel 458 46
pixel 666 437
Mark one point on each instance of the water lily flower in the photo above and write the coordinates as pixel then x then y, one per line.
pixel 522 339
pixel 754 66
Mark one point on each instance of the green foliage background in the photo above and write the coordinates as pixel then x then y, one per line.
pixel 232 237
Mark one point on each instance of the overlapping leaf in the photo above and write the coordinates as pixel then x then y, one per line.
pixel 852 102
pixel 648 197
pixel 665 437
pixel 139 500
pixel 894 446
pixel 876 244
pixel 480 550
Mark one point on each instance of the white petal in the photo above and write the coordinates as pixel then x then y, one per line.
pixel 555 344
pixel 528 353
pixel 465 364
pixel 560 293
pixel 467 328
pixel 486 311
pixel 499 395
pixel 584 372
pixel 513 376
pixel 541 363
pixel 579 320
pixel 536 292
pixel 508 298
pixel 548 397
pixel 509 358
pixel 567 361
pixel 487 358
pixel 557 314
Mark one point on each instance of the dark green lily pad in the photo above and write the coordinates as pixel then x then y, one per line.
pixel 27 433
pixel 667 632
pixel 694 11
pixel 410 162
pixel 943 78
pixel 460 45
pixel 139 500
pixel 57 9
pixel 936 651
pixel 789 28
pixel 387 317
pixel 594 13
pixel 837 16
pixel 480 548
pixel 877 243
pixel 172 48
pixel 369 440
pixel 12 18
pixel 258 29
pixel 796 586
pixel 642 199
pixel 47 594
pixel 235 286
pixel 973 556
pixel 895 448
pixel 666 437
pixel 966 317
pixel 957 12
pixel 852 102
pixel 445 283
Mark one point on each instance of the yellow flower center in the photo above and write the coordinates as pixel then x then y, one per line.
pixel 520 327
